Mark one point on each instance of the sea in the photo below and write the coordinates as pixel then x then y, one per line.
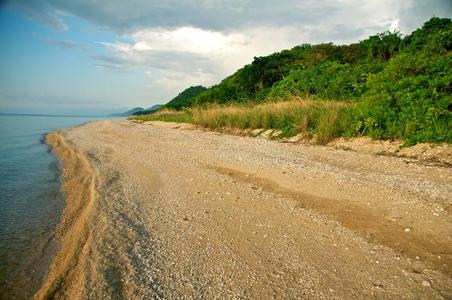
pixel 30 201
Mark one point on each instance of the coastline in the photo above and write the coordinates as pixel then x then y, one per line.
pixel 72 231
pixel 32 202
pixel 124 184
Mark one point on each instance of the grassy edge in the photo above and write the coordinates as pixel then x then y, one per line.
pixel 320 121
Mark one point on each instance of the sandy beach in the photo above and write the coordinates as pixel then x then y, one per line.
pixel 158 211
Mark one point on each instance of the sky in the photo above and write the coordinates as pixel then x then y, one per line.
pixel 98 56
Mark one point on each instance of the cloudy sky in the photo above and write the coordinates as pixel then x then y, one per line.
pixel 99 56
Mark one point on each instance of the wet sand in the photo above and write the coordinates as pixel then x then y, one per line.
pixel 154 211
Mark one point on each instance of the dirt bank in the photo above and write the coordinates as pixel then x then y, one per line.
pixel 158 212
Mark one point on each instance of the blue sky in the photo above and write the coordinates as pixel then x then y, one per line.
pixel 96 57
pixel 48 71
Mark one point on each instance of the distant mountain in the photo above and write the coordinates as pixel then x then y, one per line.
pixel 154 107
pixel 185 99
pixel 148 110
pixel 128 113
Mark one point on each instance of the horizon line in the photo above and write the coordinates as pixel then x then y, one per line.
pixel 49 115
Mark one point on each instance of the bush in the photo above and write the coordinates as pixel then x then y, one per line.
pixel 411 98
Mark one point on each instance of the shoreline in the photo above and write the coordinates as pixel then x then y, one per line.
pixel 32 202
pixel 111 160
pixel 72 231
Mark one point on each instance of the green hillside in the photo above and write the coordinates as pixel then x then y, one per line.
pixel 185 99
pixel 401 86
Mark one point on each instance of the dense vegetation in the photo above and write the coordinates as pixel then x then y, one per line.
pixel 400 87
pixel 185 98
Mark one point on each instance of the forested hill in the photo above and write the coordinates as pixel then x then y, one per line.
pixel 184 99
pixel 327 70
pixel 402 84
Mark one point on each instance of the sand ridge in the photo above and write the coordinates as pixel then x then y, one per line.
pixel 66 274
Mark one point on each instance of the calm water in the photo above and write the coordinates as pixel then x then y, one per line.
pixel 30 202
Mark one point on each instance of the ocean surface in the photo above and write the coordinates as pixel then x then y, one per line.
pixel 30 201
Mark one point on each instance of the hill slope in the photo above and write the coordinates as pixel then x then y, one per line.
pixel 127 113
pixel 185 98
pixel 148 110
pixel 402 85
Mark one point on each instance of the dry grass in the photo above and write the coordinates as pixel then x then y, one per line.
pixel 321 120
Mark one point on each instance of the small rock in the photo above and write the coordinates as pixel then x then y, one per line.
pixel 407 229
pixel 377 284
pixel 426 283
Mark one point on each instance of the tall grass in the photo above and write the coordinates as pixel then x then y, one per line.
pixel 320 120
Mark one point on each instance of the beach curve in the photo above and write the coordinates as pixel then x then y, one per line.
pixel 65 274
pixel 159 212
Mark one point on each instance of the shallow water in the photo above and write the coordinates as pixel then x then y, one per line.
pixel 30 201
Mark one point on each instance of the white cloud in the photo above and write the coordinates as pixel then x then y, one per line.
pixel 394 25
pixel 186 39
pixel 208 55
pixel 185 56
pixel 173 82
pixel 183 43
